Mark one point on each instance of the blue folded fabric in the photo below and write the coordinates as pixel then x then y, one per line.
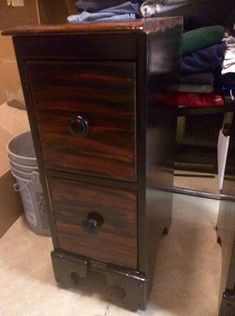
pixel 97 5
pixel 127 7
pixel 226 88
pixel 98 16
pixel 208 59
pixel 124 11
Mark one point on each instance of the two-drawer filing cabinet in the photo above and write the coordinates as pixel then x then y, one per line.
pixel 105 148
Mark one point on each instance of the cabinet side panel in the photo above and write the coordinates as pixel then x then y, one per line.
pixel 160 123
pixel 163 60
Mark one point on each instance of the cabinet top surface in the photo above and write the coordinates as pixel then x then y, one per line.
pixel 136 26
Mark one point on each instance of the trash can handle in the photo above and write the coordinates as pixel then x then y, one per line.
pixel 16 187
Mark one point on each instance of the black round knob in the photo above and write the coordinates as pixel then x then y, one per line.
pixel 92 222
pixel 78 126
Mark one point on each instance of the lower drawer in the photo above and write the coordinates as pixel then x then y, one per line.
pixel 95 222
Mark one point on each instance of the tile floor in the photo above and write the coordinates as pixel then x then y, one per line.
pixel 186 281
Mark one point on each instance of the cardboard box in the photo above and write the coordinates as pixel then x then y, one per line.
pixel 10 203
pixel 12 123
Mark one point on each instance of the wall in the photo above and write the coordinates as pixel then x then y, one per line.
pixel 10 87
pixel 33 12
pixel 13 16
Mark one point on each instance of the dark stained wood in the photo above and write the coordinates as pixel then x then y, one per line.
pixel 101 93
pixel 134 285
pixel 156 144
pixel 66 265
pixel 72 46
pixel 111 183
pixel 71 269
pixel 115 240
pixel 139 25
pixel 129 156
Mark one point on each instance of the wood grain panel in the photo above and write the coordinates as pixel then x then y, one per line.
pixel 115 240
pixel 101 92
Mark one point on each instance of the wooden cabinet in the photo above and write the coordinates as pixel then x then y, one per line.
pixel 105 148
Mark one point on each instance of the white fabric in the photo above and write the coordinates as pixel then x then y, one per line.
pixel 229 57
pixel 229 69
pixel 151 8
pixel 222 153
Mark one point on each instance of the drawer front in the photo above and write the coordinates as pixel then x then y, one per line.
pixel 96 222
pixel 89 46
pixel 85 113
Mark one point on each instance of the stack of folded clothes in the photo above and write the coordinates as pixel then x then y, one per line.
pixel 150 8
pixel 108 10
pixel 196 13
pixel 227 83
pixel 202 55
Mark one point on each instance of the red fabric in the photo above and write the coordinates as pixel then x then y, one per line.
pixel 189 99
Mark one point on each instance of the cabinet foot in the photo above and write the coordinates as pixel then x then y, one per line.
pixel 228 304
pixel 68 268
pixel 133 284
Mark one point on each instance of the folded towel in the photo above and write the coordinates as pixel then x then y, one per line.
pixel 191 88
pixel 208 59
pixel 201 38
pixel 124 11
pixel 97 5
pixel 184 99
pixel 205 78
pixel 99 16
pixel 124 8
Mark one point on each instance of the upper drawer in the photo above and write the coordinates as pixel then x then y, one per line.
pixel 117 46
pixel 85 113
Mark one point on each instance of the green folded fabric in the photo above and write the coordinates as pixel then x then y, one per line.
pixel 201 38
